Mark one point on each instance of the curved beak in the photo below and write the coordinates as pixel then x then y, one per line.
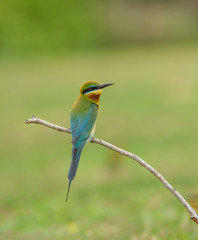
pixel 104 85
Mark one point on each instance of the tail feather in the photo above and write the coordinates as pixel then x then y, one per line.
pixel 68 190
pixel 76 152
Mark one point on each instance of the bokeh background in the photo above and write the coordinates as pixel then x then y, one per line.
pixel 149 49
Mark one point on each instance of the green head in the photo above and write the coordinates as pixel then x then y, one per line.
pixel 92 90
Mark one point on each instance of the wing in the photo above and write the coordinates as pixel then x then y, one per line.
pixel 82 124
pixel 81 128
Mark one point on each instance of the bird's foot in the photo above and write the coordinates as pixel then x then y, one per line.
pixel 91 137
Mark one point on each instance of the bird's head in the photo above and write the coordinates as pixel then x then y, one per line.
pixel 92 90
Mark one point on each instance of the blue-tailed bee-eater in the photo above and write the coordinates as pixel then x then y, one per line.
pixel 82 120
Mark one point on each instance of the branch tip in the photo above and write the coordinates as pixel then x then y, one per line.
pixel 194 219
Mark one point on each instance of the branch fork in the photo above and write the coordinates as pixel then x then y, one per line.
pixel 187 206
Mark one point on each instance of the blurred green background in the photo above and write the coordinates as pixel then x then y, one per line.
pixel 149 49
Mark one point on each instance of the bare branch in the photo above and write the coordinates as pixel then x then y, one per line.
pixel 191 211
pixel 34 119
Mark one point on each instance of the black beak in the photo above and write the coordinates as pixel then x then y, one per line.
pixel 104 85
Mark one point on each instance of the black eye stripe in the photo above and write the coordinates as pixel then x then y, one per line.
pixel 89 89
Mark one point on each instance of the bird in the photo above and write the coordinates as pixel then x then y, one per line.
pixel 82 122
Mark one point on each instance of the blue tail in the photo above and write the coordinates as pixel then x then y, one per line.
pixel 76 152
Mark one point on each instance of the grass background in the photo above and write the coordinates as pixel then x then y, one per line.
pixel 149 50
pixel 152 110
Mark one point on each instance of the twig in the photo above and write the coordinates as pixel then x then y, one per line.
pixel 191 211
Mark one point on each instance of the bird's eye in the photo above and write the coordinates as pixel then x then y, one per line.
pixel 89 89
